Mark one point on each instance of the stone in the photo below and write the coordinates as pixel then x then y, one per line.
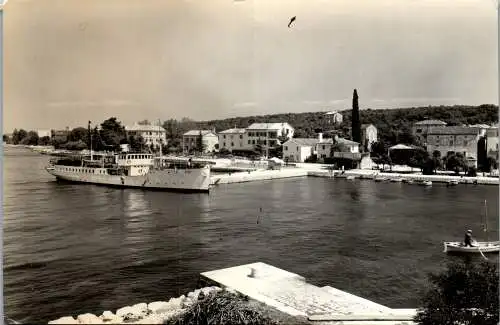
pixel 151 319
pixel 65 320
pixel 157 307
pixel 141 309
pixel 176 303
pixel 129 313
pixel 110 318
pixel 89 319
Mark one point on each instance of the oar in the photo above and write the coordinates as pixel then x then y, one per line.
pixel 479 249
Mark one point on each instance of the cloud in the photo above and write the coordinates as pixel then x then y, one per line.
pixel 83 104
pixel 314 102
pixel 245 104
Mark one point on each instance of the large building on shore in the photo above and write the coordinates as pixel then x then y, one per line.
pixel 233 139
pixel 191 141
pixel 421 129
pixel 153 135
pixel 299 149
pixel 265 135
pixel 462 139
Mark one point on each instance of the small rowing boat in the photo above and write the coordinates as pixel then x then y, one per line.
pixel 479 247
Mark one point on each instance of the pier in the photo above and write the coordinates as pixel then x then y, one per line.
pixel 290 293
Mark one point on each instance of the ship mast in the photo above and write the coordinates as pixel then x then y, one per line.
pixel 160 137
pixel 90 136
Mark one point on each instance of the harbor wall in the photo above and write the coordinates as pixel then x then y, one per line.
pixel 319 171
pixel 257 175
pixel 369 174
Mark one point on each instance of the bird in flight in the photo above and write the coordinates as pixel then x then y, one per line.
pixel 291 21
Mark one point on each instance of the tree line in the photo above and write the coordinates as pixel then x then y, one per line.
pixel 394 126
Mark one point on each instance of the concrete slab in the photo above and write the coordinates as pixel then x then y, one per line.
pixel 291 294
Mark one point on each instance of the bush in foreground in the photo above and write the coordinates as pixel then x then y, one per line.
pixel 223 308
pixel 466 293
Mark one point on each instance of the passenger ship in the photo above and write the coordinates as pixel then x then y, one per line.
pixel 137 170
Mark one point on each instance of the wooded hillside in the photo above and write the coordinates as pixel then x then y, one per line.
pixel 391 123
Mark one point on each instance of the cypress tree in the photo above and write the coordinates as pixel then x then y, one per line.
pixel 356 123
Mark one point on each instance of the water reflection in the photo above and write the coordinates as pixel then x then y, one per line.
pixel 136 204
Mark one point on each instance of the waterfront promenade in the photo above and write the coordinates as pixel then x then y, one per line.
pixel 321 170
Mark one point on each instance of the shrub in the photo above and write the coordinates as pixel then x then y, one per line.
pixel 466 293
pixel 472 172
pixel 222 308
pixel 312 159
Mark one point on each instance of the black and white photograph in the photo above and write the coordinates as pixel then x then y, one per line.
pixel 257 162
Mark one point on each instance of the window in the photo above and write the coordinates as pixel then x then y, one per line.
pixel 224 136
pixel 232 144
pixel 323 147
pixel 241 136
pixel 286 148
pixel 297 148
pixel 451 142
pixel 249 141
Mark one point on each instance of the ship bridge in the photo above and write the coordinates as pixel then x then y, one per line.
pixel 134 159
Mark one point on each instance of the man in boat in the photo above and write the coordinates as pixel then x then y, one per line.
pixel 468 239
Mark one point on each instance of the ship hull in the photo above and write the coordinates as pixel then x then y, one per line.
pixel 183 180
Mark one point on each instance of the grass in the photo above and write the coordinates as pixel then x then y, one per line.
pixel 225 308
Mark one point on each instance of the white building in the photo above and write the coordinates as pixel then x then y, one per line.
pixel 369 135
pixel 492 142
pixel 44 133
pixel 299 149
pixel 234 139
pixel 333 117
pixel 190 141
pixel 153 135
pixel 268 134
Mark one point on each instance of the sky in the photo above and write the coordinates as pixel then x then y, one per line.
pixel 70 61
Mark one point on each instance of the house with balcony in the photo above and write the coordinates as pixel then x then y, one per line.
pixel 421 129
pixel 153 135
pixel 461 139
pixel 234 140
pixel 191 141
pixel 268 135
